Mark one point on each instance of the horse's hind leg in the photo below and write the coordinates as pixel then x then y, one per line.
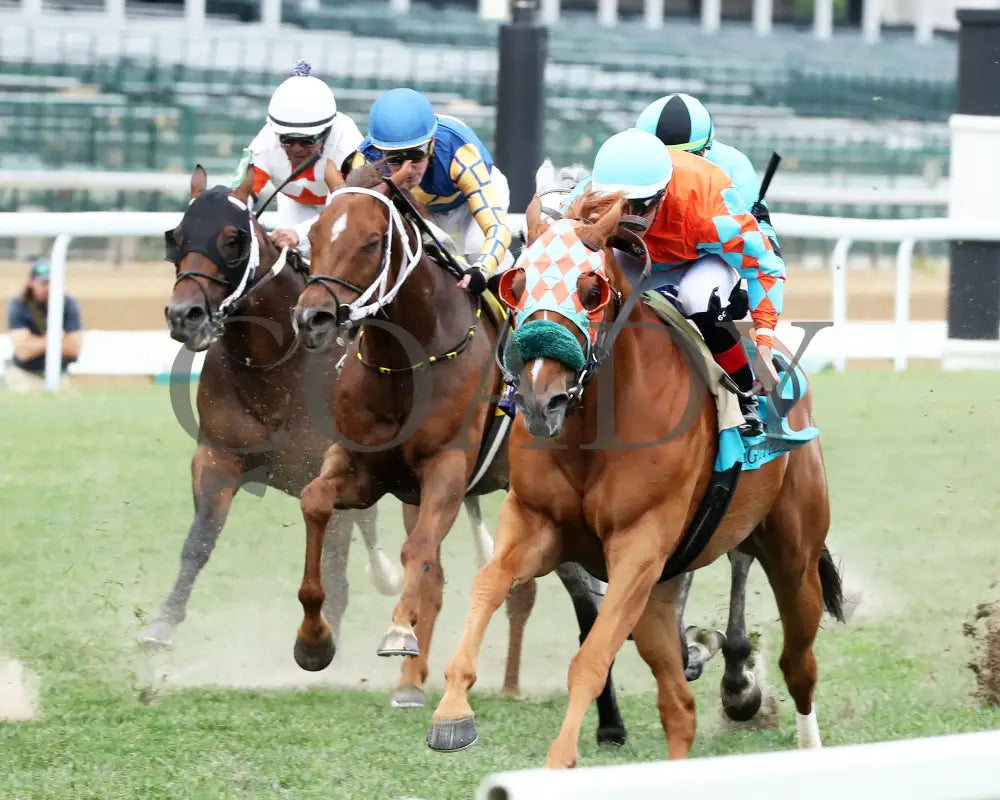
pixel 336 548
pixel 585 594
pixel 699 645
pixel 383 574
pixel 215 479
pixel 480 533
pixel 790 547
pixel 741 695
pixel 663 652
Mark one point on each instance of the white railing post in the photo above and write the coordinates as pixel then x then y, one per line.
pixel 823 19
pixel 400 6
pixel 194 13
pixel 31 8
pixel 115 10
pixel 904 264
pixel 550 12
pixel 838 299
pixel 763 13
pixel 607 13
pixel 923 25
pixel 871 20
pixel 54 317
pixel 653 14
pixel 270 14
pixel 711 15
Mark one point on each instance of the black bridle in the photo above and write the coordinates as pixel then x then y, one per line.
pixel 208 214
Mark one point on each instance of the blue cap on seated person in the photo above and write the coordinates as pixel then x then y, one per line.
pixel 40 269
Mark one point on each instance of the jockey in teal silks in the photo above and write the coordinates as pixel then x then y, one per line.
pixel 682 122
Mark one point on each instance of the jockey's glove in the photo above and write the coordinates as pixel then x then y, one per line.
pixel 477 279
pixel 760 213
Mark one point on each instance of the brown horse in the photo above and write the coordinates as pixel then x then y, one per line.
pixel 621 512
pixel 412 411
pixel 253 421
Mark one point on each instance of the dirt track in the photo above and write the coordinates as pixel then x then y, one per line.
pixel 132 296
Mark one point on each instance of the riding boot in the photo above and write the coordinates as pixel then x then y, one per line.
pixel 723 340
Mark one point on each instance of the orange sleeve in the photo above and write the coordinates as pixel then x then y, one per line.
pixel 260 179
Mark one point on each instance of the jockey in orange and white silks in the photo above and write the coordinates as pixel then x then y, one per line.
pixel 700 231
pixel 302 117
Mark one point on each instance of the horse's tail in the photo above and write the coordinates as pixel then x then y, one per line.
pixel 833 589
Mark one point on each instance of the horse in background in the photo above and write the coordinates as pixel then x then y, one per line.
pixel 233 297
pixel 622 511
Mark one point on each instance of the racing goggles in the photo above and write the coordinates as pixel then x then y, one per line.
pixel 642 206
pixel 415 154
pixel 289 139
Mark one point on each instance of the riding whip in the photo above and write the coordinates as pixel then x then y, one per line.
pixel 307 162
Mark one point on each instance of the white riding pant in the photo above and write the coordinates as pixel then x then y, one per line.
pixel 695 282
pixel 459 221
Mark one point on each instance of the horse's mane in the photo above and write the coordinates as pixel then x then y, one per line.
pixel 591 206
pixel 371 175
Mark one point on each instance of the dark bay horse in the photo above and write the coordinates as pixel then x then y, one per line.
pixel 412 409
pixel 252 409
pixel 621 511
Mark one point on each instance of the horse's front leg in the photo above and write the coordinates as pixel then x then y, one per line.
pixel 635 559
pixel 526 544
pixel 314 647
pixel 215 478
pixel 442 487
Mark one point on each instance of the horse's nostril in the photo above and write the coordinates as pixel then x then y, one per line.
pixel 557 402
pixel 194 314
pixel 323 319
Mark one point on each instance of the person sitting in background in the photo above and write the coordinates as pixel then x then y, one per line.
pixel 27 322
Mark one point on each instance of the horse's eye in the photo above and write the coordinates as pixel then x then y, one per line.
pixel 370 246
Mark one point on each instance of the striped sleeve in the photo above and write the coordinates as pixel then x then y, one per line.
pixel 471 176
pixel 732 233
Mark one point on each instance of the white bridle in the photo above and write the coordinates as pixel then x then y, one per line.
pixel 361 308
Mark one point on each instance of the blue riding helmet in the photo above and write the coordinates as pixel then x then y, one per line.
pixel 634 162
pixel 680 121
pixel 401 118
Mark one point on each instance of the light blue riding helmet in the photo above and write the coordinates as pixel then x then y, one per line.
pixel 401 118
pixel 680 121
pixel 634 162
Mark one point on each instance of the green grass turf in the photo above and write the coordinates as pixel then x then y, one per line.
pixel 94 505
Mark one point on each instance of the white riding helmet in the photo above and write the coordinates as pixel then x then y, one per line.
pixel 302 104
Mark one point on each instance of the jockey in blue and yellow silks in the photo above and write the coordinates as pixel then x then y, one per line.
pixel 451 173
pixel 682 122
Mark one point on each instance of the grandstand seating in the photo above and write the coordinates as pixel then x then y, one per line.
pixel 163 97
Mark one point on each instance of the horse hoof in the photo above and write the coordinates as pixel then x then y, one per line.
pixel 693 670
pixel 407 697
pixel 613 735
pixel 452 735
pixel 743 707
pixel 399 641
pixel 159 634
pixel 315 657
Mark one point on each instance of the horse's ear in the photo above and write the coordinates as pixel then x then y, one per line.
pixel 199 181
pixel 242 192
pixel 332 177
pixel 533 217
pixel 604 227
pixel 401 175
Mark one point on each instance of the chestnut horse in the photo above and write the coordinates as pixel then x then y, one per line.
pixel 253 426
pixel 410 414
pixel 621 511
